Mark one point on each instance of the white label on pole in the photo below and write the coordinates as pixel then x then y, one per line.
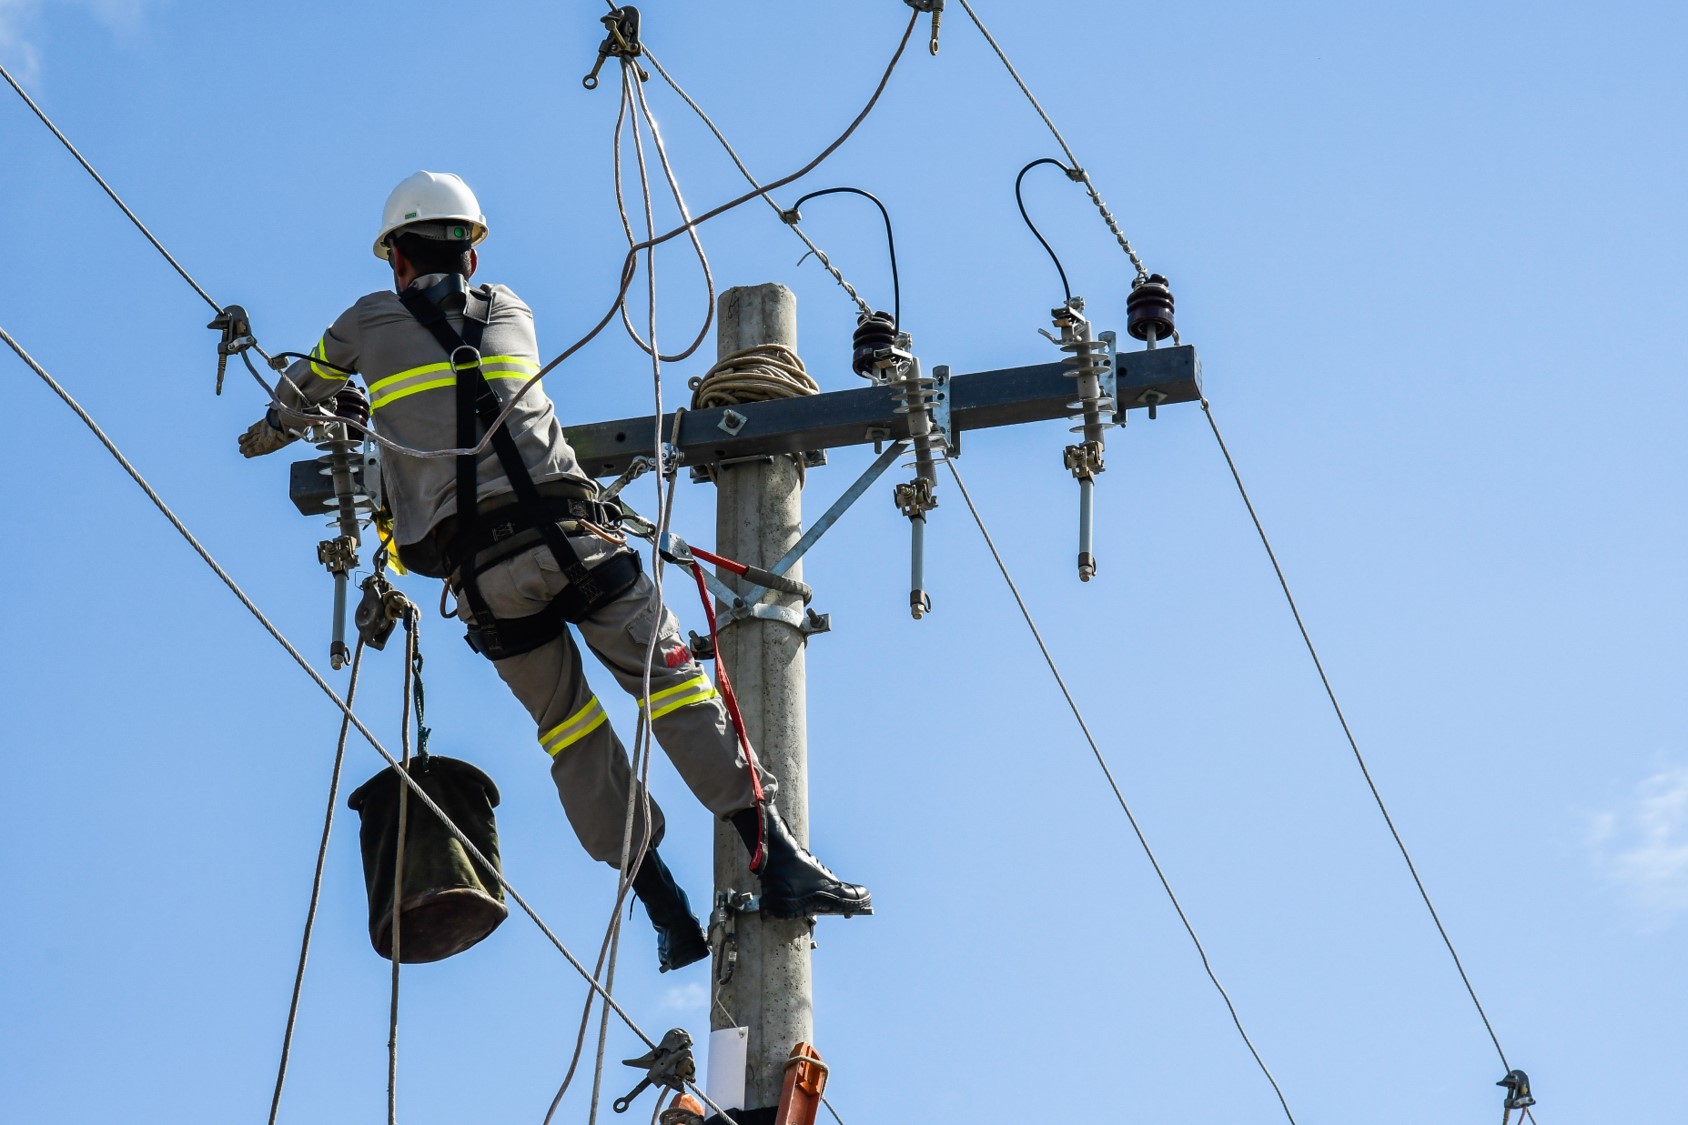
pixel 729 1048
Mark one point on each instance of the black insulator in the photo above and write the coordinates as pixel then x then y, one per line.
pixel 350 403
pixel 1149 308
pixel 872 333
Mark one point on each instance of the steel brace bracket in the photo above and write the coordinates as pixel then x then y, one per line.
pixel 753 602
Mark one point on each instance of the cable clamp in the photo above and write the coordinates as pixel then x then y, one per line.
pixel 1517 1085
pixel 339 554
pixel 668 1065
pixel 936 7
pixel 622 42
pixel 236 328
pixel 1083 460
pixel 914 499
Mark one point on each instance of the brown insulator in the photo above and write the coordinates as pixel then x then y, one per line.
pixel 1149 309
pixel 350 404
pixel 872 333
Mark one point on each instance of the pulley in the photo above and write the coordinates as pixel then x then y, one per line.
pixel 1148 310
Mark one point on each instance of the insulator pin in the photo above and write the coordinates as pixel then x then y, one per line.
pixel 1149 309
pixel 873 333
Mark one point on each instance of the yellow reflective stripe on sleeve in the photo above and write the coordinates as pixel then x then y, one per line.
pixel 321 372
pixel 576 727
pixel 433 376
pixel 695 690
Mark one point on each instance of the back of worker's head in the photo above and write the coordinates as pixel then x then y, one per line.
pixel 432 216
pixel 435 255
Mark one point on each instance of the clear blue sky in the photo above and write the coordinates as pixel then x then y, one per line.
pixel 1430 256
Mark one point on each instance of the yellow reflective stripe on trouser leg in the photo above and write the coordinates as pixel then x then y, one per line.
pixel 574 728
pixel 695 690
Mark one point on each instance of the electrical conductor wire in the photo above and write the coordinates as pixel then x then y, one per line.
pixel 115 198
pixel 316 677
pixel 890 238
pixel 1019 198
pixel 1107 772
pixel 1348 733
pixel 709 122
pixel 1090 186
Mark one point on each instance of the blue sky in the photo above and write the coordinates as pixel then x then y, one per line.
pixel 1429 255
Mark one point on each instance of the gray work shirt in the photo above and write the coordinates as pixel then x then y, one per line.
pixel 412 396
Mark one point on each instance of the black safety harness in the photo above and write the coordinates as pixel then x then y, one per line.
pixel 478 406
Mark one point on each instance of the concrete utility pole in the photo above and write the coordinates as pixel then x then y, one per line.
pixel 758 517
pixel 755 448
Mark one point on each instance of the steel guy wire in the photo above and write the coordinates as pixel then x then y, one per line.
pixel 316 882
pixel 1108 773
pixel 316 677
pixel 1348 733
pixel 820 256
pixel 115 198
pixel 1089 185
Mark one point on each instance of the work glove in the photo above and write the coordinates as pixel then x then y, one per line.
pixel 265 436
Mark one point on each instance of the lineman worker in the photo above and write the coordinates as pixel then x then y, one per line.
pixel 519 534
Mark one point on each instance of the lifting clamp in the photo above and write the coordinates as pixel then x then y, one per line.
pixel 1518 1096
pixel 936 7
pixel 668 1065
pixel 236 327
pixel 622 42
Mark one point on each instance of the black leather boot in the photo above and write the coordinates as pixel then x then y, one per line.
pixel 794 883
pixel 679 936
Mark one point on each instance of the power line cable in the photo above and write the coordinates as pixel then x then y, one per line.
pixel 316 677
pixel 115 198
pixel 820 255
pixel 1108 773
pixel 1348 733
pixel 1089 185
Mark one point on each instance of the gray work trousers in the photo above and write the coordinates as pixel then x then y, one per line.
pixel 588 762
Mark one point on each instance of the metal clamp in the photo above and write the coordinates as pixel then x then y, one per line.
pixel 1517 1085
pixel 669 1065
pixel 236 327
pixel 936 7
pixel 622 42
pixel 723 929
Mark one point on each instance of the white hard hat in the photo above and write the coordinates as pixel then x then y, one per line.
pixel 439 199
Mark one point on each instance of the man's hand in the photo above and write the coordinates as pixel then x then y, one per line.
pixel 265 436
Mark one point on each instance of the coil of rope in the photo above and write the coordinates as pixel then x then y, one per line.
pixel 759 374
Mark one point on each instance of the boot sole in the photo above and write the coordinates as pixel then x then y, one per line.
pixel 818 905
